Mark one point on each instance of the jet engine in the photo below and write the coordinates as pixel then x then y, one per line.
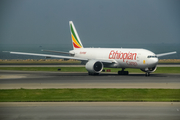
pixel 150 69
pixel 94 67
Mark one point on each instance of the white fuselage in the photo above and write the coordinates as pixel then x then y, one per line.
pixel 122 58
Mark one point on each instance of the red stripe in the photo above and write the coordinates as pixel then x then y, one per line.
pixel 75 45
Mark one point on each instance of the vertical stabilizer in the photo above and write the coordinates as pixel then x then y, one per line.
pixel 75 37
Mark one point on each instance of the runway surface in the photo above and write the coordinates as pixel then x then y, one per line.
pixel 87 110
pixel 39 80
pixel 90 111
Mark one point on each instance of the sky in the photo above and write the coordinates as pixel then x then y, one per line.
pixel 96 21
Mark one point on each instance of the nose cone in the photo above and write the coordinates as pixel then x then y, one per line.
pixel 153 61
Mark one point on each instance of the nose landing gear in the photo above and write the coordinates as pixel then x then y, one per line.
pixel 147 74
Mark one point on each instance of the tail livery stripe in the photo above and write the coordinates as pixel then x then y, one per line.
pixel 75 41
pixel 72 31
pixel 75 45
pixel 74 35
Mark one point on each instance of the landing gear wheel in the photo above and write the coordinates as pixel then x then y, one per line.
pixel 89 73
pixel 96 73
pixel 123 73
pixel 147 74
pixel 126 72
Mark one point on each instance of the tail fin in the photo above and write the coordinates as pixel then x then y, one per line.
pixel 75 37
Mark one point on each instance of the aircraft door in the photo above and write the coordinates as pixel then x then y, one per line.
pixel 138 58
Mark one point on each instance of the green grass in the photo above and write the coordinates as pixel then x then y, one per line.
pixel 168 70
pixel 89 95
pixel 83 69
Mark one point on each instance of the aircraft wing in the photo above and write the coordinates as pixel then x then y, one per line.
pixel 107 61
pixel 47 55
pixel 163 54
pixel 58 52
pixel 59 56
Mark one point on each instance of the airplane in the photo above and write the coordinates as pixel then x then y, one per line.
pixel 95 59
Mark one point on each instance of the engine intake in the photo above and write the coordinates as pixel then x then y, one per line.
pixel 152 69
pixel 94 66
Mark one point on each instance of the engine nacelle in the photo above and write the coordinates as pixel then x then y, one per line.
pixel 150 70
pixel 94 66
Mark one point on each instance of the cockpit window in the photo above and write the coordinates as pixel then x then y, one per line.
pixel 150 56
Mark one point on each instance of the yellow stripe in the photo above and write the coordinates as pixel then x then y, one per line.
pixel 74 40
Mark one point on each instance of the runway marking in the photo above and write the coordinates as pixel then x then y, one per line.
pixel 12 76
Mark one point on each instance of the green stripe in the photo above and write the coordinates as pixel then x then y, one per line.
pixel 75 35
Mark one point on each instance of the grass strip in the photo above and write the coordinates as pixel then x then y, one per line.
pixel 83 69
pixel 89 95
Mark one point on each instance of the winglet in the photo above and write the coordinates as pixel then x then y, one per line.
pixel 75 37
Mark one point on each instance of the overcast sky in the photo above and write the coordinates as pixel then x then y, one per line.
pixel 96 21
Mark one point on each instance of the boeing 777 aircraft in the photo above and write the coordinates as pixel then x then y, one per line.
pixel 96 59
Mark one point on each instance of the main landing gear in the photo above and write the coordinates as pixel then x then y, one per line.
pixel 122 72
